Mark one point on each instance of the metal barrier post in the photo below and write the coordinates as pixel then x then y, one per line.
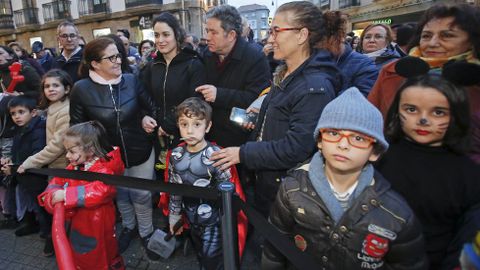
pixel 227 189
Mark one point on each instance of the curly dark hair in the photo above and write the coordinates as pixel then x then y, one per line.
pixel 466 17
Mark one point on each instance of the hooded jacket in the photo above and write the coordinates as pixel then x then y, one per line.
pixel 91 214
pixel 169 85
pixel 286 122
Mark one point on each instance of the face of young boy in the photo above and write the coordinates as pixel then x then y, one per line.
pixel 193 130
pixel 76 155
pixel 21 115
pixel 424 114
pixel 341 156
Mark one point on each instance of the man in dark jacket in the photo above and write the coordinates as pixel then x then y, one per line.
pixel 71 56
pixel 236 73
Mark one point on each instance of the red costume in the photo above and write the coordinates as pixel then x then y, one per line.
pixel 90 214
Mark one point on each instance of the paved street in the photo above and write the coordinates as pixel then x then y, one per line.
pixel 26 253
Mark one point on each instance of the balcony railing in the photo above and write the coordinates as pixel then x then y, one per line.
pixel 26 16
pixel 6 15
pixel 57 10
pixel 136 3
pixel 348 3
pixel 87 7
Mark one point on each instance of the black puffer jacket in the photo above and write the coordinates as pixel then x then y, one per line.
pixel 180 78
pixel 94 101
pixel 287 120
pixel 379 230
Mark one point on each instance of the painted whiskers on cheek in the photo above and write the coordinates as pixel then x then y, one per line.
pixel 442 127
pixel 402 119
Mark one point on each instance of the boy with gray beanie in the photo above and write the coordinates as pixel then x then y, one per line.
pixel 337 208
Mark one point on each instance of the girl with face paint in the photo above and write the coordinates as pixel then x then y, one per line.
pixel 427 127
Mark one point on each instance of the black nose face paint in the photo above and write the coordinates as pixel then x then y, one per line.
pixel 423 121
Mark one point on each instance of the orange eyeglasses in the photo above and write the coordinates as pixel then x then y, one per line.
pixel 357 140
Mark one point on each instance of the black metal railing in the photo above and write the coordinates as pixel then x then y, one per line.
pixel 25 16
pixel 87 7
pixel 348 3
pixel 56 10
pixel 6 15
pixel 136 3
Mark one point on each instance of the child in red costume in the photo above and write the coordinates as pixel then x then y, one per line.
pixel 90 212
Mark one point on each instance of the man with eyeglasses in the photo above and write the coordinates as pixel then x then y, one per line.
pixel 71 54
pixel 236 73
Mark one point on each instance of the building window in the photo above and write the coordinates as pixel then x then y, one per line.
pixel 57 10
pixel 135 3
pixel 86 7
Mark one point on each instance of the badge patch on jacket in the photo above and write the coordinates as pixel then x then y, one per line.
pixel 300 242
pixel 374 248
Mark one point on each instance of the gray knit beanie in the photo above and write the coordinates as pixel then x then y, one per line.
pixel 352 111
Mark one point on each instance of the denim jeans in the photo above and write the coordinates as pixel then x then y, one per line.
pixel 137 202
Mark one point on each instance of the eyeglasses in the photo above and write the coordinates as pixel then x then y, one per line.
pixel 375 37
pixel 66 36
pixel 354 139
pixel 275 30
pixel 113 58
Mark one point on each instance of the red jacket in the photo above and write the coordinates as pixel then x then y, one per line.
pixel 90 210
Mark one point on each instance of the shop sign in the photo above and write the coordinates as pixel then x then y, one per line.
pixel 383 21
pixel 145 22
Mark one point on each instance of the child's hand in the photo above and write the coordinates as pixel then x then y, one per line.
pixel 58 196
pixel 179 231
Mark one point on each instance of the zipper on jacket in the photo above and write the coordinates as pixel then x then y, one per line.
pixel 117 112
pixel 164 93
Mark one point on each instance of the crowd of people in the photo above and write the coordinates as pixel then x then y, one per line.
pixel 363 151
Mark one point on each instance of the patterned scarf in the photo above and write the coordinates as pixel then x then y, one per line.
pixel 437 63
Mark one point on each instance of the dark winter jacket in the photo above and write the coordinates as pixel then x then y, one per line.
pixel 379 230
pixel 185 72
pixel 29 140
pixel 388 56
pixel 244 76
pixel 30 87
pixel 288 117
pixel 358 70
pixel 70 66
pixel 93 101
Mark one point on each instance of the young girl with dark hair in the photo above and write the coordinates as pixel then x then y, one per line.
pixel 428 128
pixel 56 86
pixel 89 206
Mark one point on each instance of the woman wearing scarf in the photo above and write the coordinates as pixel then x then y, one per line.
pixel 445 33
pixel 375 43
pixel 119 102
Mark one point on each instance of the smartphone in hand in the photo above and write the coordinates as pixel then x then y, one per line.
pixel 240 116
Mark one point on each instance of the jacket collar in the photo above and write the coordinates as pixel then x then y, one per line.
pixel 76 56
pixel 184 55
pixel 57 106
